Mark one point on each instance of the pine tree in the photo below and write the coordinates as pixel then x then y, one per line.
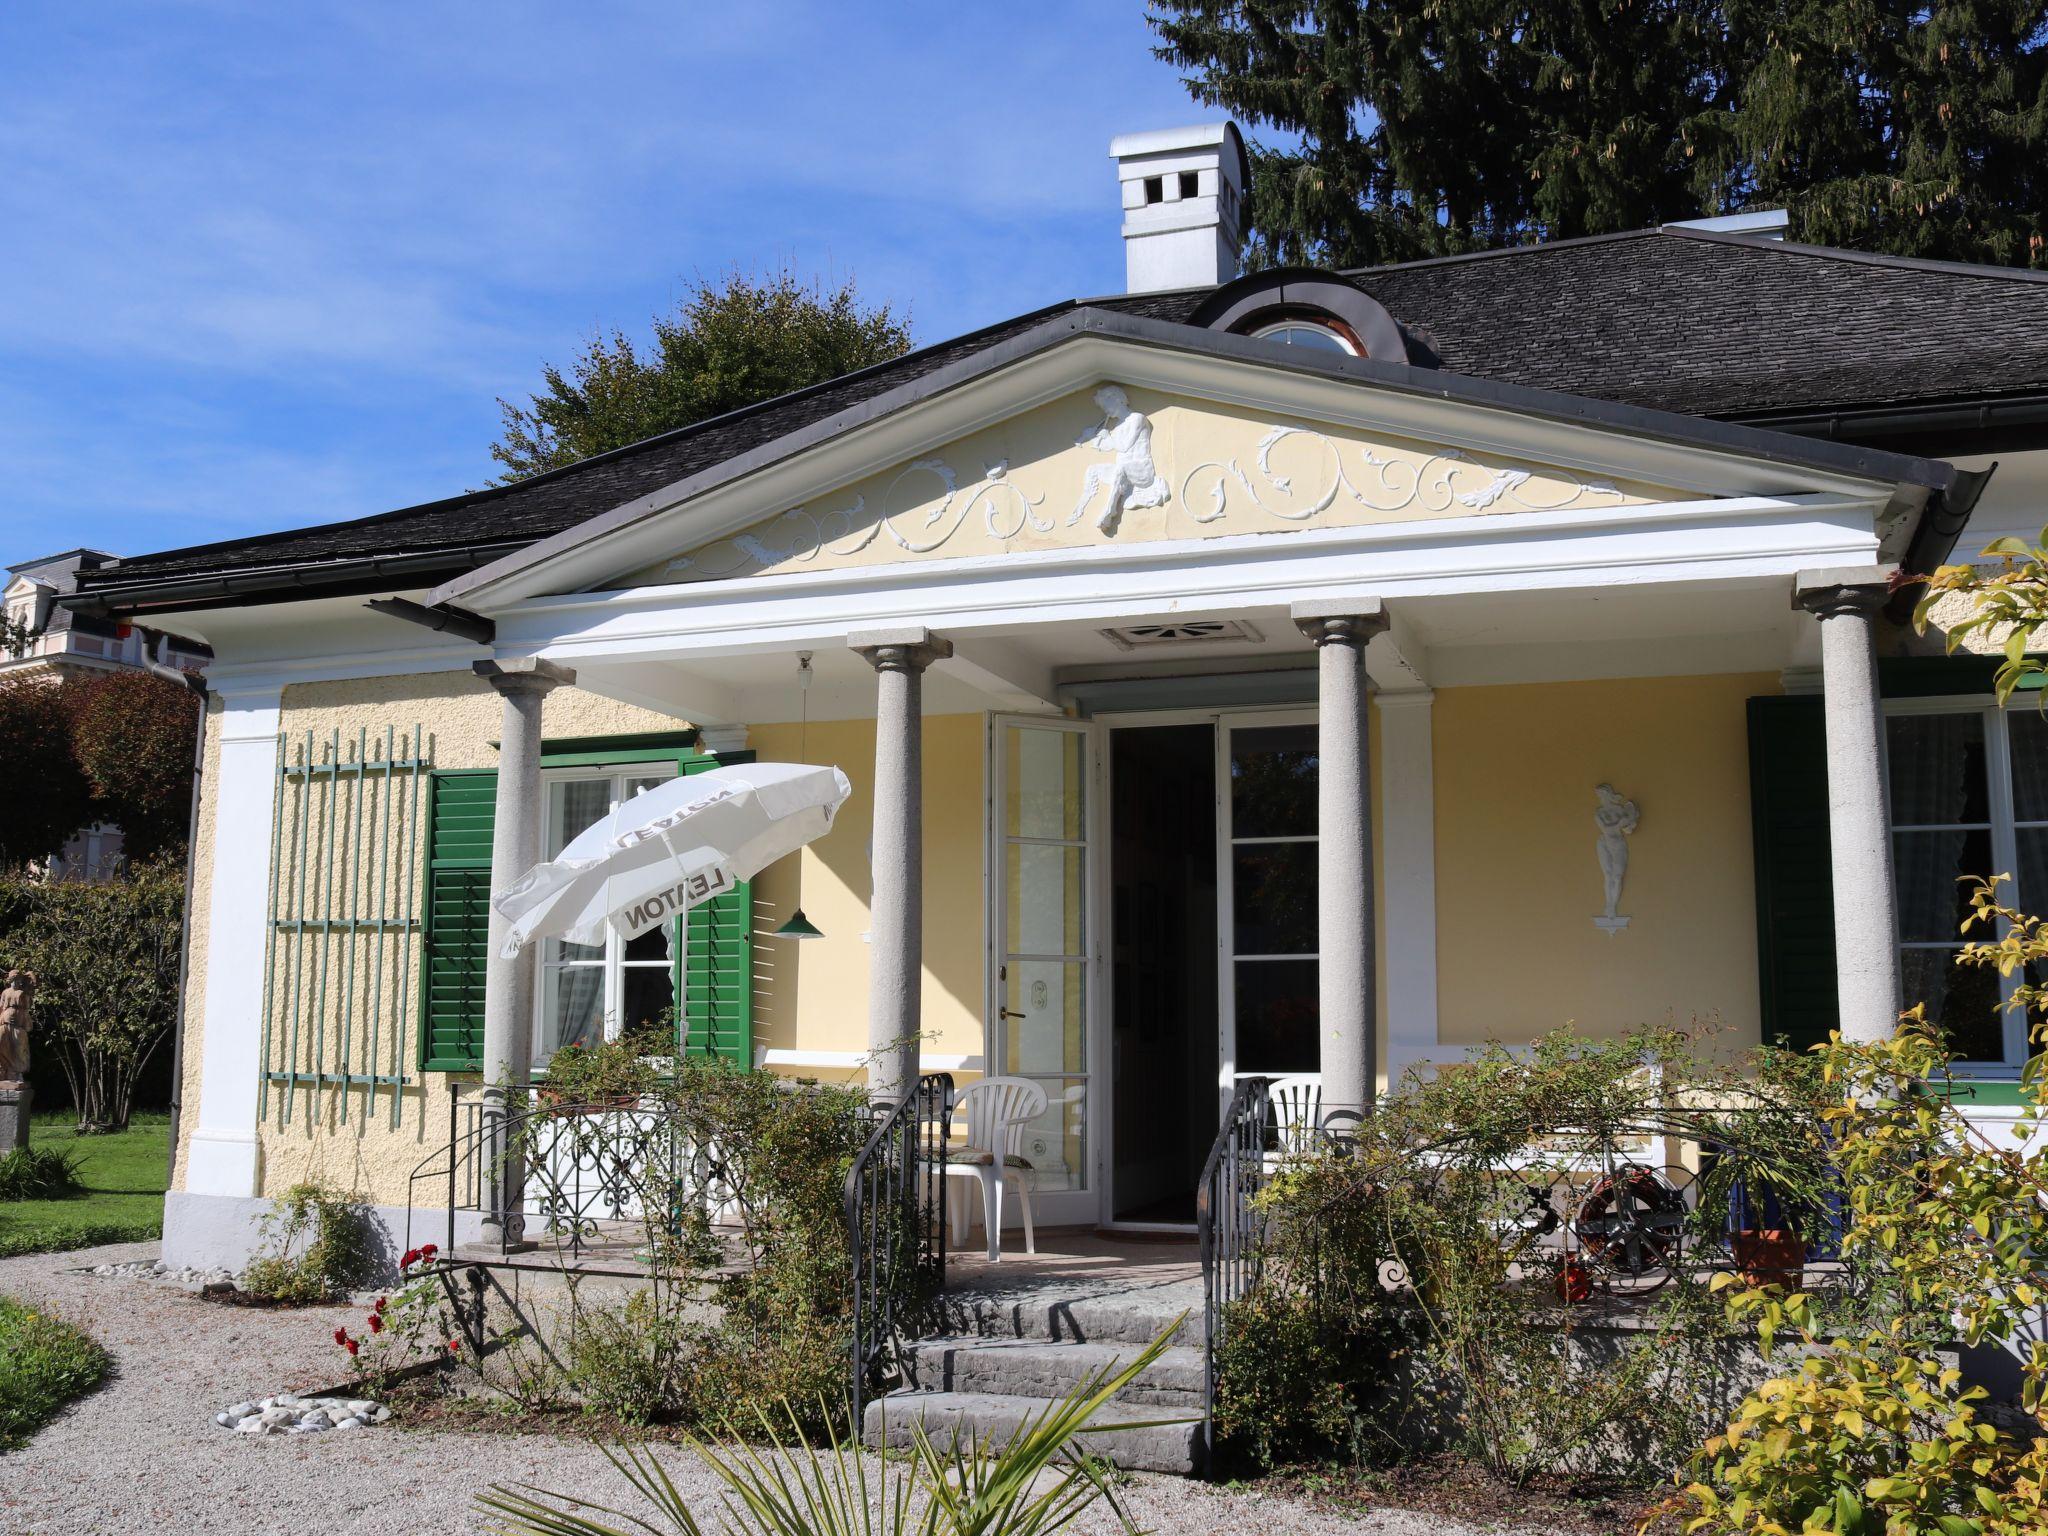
pixel 1407 128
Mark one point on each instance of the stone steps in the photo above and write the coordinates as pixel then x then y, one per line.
pixel 1038 1369
pixel 1081 1319
pixel 994 1417
pixel 990 1383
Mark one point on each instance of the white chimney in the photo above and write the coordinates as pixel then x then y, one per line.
pixel 1183 191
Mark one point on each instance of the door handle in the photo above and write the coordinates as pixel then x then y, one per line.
pixel 1010 1013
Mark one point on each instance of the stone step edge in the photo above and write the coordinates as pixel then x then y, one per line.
pixel 1080 1322
pixel 1170 1442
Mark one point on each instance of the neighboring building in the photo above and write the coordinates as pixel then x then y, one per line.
pixel 41 638
pixel 1614 511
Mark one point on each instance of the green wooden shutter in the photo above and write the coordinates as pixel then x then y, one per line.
pixel 456 938
pixel 1795 899
pixel 717 977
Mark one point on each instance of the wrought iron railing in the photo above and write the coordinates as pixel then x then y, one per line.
pixel 601 1185
pixel 896 1229
pixel 1228 1227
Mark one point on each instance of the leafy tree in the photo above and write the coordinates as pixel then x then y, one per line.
pixel 727 345
pixel 47 799
pixel 132 735
pixel 1412 129
pixel 105 956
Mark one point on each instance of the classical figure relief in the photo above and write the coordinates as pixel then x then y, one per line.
pixel 17 1007
pixel 1615 818
pixel 1133 480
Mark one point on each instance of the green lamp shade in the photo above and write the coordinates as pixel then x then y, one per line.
pixel 798 927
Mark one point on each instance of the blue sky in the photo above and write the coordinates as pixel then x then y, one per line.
pixel 267 264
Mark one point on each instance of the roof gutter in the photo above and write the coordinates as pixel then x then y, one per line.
pixel 281 583
pixel 2029 410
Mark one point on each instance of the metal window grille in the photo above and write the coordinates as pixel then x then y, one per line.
pixel 345 866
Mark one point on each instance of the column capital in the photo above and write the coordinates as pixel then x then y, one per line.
pixel 1340 620
pixel 1832 591
pixel 722 740
pixel 524 674
pixel 910 648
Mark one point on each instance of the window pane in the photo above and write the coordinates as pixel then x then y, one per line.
pixel 1046 900
pixel 1045 1004
pixel 1936 765
pixel 1277 1016
pixel 1931 865
pixel 2032 875
pixel 2029 732
pixel 649 946
pixel 573 805
pixel 1273 781
pixel 649 993
pixel 1273 892
pixel 572 1008
pixel 1962 1000
pixel 1055 1144
pixel 1043 777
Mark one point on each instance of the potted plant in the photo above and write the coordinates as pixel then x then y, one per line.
pixel 610 1074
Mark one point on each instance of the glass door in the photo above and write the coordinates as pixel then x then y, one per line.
pixel 1266 900
pixel 1042 946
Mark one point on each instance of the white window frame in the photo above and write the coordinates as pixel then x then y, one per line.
pixel 1290 322
pixel 614 962
pixel 2004 828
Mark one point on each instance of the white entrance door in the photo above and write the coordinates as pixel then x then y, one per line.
pixel 1042 947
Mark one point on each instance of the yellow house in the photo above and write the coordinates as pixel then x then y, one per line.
pixel 1297 672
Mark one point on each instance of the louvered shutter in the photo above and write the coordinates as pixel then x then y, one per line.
pixel 456 937
pixel 1795 902
pixel 718 966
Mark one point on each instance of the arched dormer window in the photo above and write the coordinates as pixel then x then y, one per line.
pixel 1303 307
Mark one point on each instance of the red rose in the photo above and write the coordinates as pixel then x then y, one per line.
pixel 383 1302
pixel 341 1336
pixel 455 1346
pixel 412 1257
pixel 376 1323
pixel 353 1346
pixel 428 1250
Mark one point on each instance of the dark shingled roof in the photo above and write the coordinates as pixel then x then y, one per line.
pixel 1678 320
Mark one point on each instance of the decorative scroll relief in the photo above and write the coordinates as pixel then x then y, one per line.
pixel 1040 480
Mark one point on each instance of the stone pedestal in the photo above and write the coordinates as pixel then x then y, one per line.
pixel 14 1107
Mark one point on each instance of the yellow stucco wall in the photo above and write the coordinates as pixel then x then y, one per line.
pixel 813 996
pixel 1517 877
pixel 366 1155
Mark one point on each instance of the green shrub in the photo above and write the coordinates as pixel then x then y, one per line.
pixel 317 1244
pixel 39 1173
pixel 44 1363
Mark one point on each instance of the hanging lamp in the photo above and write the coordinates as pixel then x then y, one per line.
pixel 799 926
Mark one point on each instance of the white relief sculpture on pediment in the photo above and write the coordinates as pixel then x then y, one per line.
pixel 1133 480
pixel 923 509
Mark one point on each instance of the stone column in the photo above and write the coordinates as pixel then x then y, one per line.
pixel 1341 629
pixel 896 909
pixel 1846 600
pixel 523 682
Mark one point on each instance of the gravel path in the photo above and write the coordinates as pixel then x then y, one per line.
pixel 142 1453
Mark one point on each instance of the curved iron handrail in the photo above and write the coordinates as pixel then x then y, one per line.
pixel 1226 1227
pixel 896 1233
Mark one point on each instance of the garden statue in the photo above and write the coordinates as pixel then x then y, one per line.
pixel 1616 818
pixel 17 1003
pixel 1133 481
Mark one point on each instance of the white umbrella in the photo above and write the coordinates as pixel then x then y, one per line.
pixel 670 849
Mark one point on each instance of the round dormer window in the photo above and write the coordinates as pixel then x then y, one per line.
pixel 1298 332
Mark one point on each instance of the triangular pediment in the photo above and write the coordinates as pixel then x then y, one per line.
pixel 1121 466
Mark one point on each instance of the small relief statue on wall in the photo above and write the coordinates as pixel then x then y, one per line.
pixel 1616 818
pixel 17 1004
pixel 1133 480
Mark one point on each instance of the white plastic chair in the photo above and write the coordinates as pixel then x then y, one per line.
pixel 994 1113
pixel 1296 1106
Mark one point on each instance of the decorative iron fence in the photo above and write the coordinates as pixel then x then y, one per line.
pixel 344 912
pixel 1617 1211
pixel 606 1186
pixel 895 1223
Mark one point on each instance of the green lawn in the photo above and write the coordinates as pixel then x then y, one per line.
pixel 124 1180
pixel 44 1363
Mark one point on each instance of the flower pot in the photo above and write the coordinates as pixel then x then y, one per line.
pixel 1770 1256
